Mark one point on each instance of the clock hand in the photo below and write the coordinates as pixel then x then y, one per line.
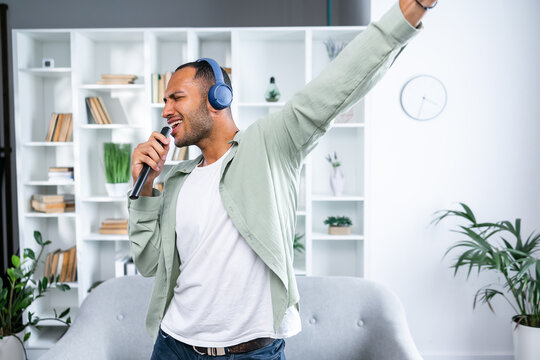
pixel 421 106
pixel 431 101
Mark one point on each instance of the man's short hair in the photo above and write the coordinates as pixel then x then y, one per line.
pixel 204 71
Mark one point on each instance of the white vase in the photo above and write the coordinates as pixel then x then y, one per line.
pixel 337 181
pixel 526 342
pixel 117 190
pixel 11 348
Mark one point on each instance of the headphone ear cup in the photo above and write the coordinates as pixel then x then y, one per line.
pixel 220 96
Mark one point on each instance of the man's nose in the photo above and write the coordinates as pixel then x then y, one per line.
pixel 167 110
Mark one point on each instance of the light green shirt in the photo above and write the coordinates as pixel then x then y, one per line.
pixel 260 175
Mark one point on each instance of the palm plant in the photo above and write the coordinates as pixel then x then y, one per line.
pixel 297 245
pixel 514 259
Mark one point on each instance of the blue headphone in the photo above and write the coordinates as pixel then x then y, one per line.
pixel 220 94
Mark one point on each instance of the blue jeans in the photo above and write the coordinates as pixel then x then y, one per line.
pixel 168 348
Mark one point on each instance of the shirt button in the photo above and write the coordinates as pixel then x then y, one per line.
pixel 312 321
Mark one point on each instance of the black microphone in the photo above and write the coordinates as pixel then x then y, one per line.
pixel 143 175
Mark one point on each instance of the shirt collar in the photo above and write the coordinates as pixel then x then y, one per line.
pixel 188 166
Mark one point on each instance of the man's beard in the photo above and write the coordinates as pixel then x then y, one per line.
pixel 200 126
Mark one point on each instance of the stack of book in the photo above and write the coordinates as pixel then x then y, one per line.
pixel 114 226
pixel 98 111
pixel 60 127
pixel 159 84
pixel 53 203
pixel 124 265
pixel 61 173
pixel 117 79
pixel 62 265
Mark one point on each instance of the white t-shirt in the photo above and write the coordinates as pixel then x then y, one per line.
pixel 222 296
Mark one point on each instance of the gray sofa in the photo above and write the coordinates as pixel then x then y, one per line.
pixel 343 318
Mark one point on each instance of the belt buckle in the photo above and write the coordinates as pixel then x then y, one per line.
pixel 212 351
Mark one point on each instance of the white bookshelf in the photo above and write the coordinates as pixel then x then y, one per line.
pixel 294 56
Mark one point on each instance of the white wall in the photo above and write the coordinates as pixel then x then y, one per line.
pixel 483 150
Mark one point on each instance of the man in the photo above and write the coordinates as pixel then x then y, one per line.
pixel 219 237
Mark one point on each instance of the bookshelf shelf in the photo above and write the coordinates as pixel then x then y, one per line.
pixel 46 72
pixel 49 183
pixel 51 215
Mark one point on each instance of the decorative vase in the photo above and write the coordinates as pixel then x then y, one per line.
pixel 11 348
pixel 339 230
pixel 117 190
pixel 272 93
pixel 337 181
pixel 526 342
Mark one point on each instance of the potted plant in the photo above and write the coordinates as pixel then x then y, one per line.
pixel 16 296
pixel 338 225
pixel 337 180
pixel 499 247
pixel 117 158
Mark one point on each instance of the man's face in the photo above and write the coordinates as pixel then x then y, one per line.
pixel 186 109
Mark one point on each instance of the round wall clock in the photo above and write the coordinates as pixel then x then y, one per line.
pixel 423 97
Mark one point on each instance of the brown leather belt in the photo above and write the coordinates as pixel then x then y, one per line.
pixel 235 349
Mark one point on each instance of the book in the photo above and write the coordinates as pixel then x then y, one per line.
pixel 73 270
pixel 48 265
pixel 45 198
pixel 55 198
pixel 115 221
pixel 48 208
pixel 106 116
pixel 59 124
pixel 52 126
pixel 119 76
pixel 93 110
pixel 54 264
pixel 65 266
pixel 113 231
pixel 64 128
pixel 60 168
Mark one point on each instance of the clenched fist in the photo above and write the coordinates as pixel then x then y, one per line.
pixel 152 153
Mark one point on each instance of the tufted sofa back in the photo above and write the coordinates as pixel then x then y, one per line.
pixel 342 318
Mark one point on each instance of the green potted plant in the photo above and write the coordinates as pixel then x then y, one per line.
pixel 500 248
pixel 117 160
pixel 338 225
pixel 18 294
pixel 337 180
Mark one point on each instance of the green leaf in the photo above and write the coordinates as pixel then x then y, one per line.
pixel 29 253
pixel 64 313
pixel 27 336
pixel 16 261
pixel 63 287
pixel 37 236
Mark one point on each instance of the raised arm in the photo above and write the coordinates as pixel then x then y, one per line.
pixel 295 130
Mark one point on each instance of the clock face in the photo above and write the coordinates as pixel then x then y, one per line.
pixel 423 97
